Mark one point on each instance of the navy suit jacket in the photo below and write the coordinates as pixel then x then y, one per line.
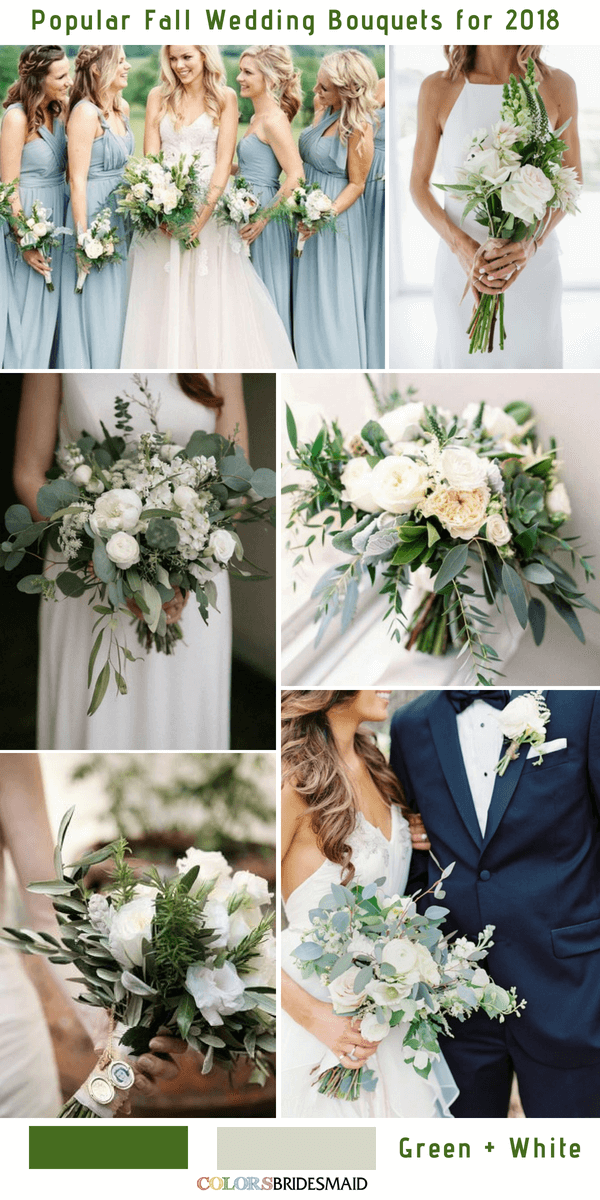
pixel 535 875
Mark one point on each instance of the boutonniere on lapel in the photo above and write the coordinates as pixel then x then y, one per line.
pixel 522 722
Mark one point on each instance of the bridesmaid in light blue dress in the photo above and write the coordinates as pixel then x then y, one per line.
pixel 330 278
pixel 375 210
pixel 99 143
pixel 33 152
pixel 268 78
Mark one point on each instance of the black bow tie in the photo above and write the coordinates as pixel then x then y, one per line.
pixel 462 700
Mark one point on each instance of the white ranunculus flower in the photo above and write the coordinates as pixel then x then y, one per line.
pixel 356 479
pixel 184 496
pixel 253 886
pixel 82 475
pixel 123 549
pixel 463 468
pixel 221 545
pixel 403 424
pixel 389 993
pixel 497 531
pixel 341 991
pixel 402 955
pixel 398 484
pixel 262 966
pixel 492 166
pixel 372 1029
pixel 527 193
pixel 118 509
pixel 557 501
pixel 218 993
pixel 213 865
pixel 131 925
pixel 521 716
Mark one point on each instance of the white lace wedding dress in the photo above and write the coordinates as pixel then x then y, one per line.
pixel 174 702
pixel 205 307
pixel 400 1092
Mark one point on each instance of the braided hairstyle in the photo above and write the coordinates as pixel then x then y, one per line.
pixel 280 75
pixel 95 68
pixel 29 89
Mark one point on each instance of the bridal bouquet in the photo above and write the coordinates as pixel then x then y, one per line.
pixel 38 232
pixel 309 206
pixel 512 180
pixel 96 246
pixel 384 963
pixel 236 207
pixel 134 518
pixel 445 502
pixel 192 954
pixel 155 192
pixel 7 191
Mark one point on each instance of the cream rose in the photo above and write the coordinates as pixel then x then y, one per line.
pixel 118 509
pixel 461 513
pixel 463 468
pixel 356 479
pixel 123 550
pixel 130 926
pixel 492 166
pixel 527 193
pixel 213 865
pixel 496 530
pixel 398 484
pixel 521 716
pixel 341 991
pixel 428 969
pixel 557 501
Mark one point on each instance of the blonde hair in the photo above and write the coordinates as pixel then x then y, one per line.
pixel 34 65
pixel 214 81
pixel 355 78
pixel 95 68
pixel 461 59
pixel 281 77
pixel 311 763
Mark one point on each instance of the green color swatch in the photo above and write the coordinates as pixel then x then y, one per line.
pixel 96 1147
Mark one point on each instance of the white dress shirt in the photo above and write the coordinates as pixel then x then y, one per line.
pixel 481 743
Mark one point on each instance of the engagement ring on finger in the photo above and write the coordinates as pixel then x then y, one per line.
pixel 351 1055
pixel 423 837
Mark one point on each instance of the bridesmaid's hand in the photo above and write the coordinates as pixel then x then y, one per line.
pixel 173 608
pixel 501 262
pixel 165 229
pixel 305 231
pixel 418 833
pixel 35 259
pixel 253 230
pixel 341 1035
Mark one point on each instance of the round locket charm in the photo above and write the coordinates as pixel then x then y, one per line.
pixel 121 1074
pixel 101 1089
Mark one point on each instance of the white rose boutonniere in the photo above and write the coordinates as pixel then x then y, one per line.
pixel 523 721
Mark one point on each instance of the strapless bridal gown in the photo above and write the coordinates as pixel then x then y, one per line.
pixel 400 1092
pixel 532 304
pixel 203 308
pixel 178 701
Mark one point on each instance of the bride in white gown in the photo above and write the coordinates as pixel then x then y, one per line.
pixel 205 306
pixel 341 799
pixel 174 702
pixel 452 105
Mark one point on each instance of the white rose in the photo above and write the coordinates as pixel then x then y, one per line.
pixel 213 865
pixel 253 886
pixel 490 166
pixel 428 969
pixel 527 193
pixel 495 422
pixel 557 501
pixel 356 479
pixel 262 966
pixel 402 955
pixel 170 199
pixel 217 993
pixel 123 549
pixel 403 424
pixel 131 925
pixel 216 918
pixel 93 247
pixel 184 496
pixel 341 991
pixel 82 475
pixel 398 484
pixel 463 468
pixel 372 1029
pixel 519 717
pixel 241 922
pixel 118 509
pixel 39 229
pixel 497 531
pixel 221 545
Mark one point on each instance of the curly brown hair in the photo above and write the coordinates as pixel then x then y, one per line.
pixel 311 763
pixel 198 388
pixel 461 59
pixel 28 89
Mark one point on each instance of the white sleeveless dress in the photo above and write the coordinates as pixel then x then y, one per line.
pixel 205 307
pixel 400 1092
pixel 174 702
pixel 532 304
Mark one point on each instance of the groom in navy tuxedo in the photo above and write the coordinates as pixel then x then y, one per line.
pixel 527 851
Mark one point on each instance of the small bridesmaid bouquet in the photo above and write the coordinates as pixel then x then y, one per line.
pixel 7 191
pixel 96 247
pixel 307 206
pixel 38 232
pixel 236 207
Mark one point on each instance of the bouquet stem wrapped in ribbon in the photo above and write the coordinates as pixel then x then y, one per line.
pixel 96 247
pixel 235 208
pixel 38 232
pixel 309 206
pixel 192 954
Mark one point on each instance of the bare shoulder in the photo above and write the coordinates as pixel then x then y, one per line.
pixel 14 125
pixel 293 806
pixel 84 117
pixel 124 106
pixel 154 100
pixel 231 100
pixel 560 86
pixel 438 86
pixel 275 123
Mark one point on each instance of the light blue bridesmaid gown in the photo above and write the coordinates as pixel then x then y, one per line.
pixel 374 197
pixel 330 279
pixel 32 311
pixel 271 252
pixel 91 324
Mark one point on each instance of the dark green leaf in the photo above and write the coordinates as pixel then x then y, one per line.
pixel 30 584
pixel 17 518
pixel 70 584
pixel 291 427
pixel 537 619
pixel 537 573
pixel 454 562
pixel 58 494
pixel 100 689
pixel 516 593
pixel 186 1011
pixel 565 611
pixel 104 568
pixel 264 481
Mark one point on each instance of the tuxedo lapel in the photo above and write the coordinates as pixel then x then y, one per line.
pixel 505 785
pixel 444 732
